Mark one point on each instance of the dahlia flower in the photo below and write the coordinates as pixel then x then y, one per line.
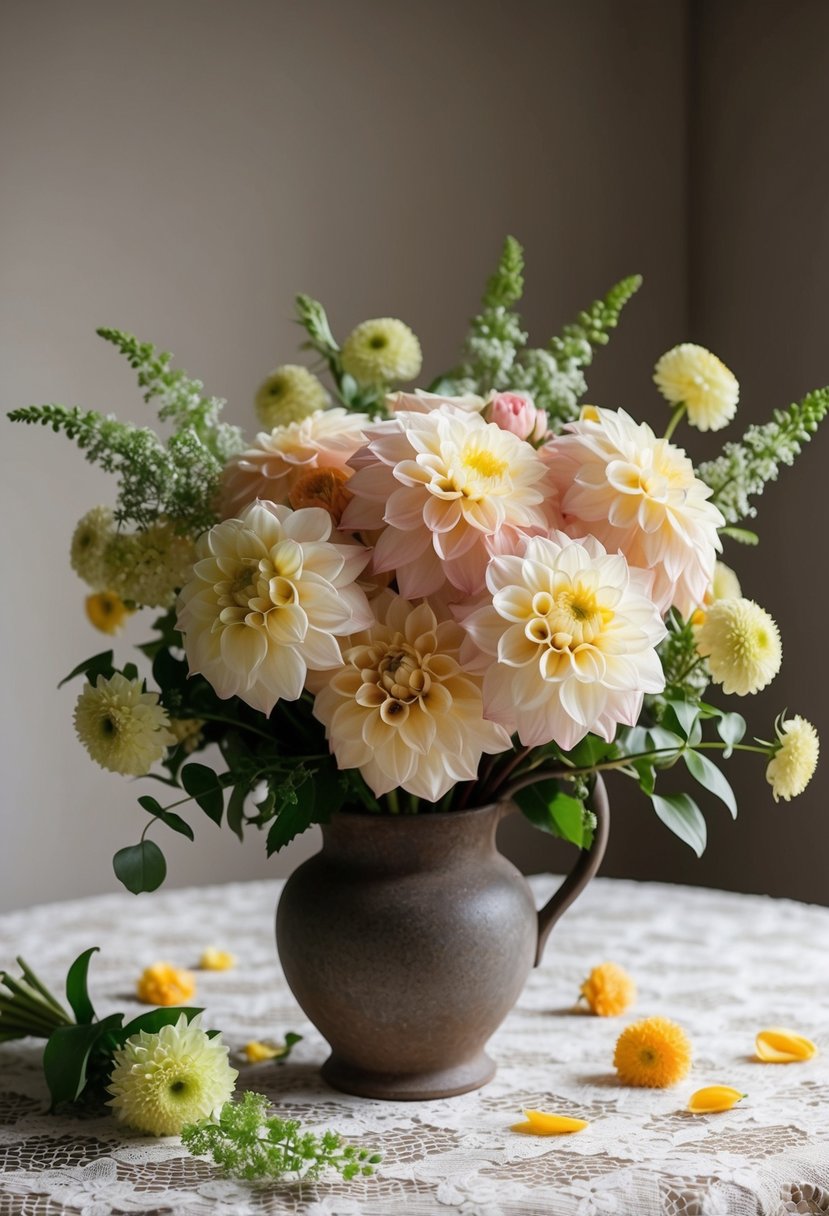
pixel 324 440
pixel 289 394
pixel 795 758
pixel 266 602
pixel 690 375
pixel 89 541
pixel 638 494
pixel 421 402
pixel 123 728
pixel 163 1081
pixel 447 485
pixel 574 633
pixel 742 645
pixel 402 709
pixel 382 351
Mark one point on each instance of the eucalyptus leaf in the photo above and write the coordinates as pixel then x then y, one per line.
pixel 684 714
pixel 681 814
pixel 76 987
pixel 236 809
pixel 202 784
pixel 170 818
pixel 703 770
pixel 731 727
pixel 140 867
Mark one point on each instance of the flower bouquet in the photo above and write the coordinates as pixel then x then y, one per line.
pixel 404 605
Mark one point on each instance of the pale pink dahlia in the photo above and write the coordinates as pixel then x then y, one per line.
pixel 568 637
pixel 268 599
pixel 446 485
pixel 269 470
pixel 402 710
pixel 638 494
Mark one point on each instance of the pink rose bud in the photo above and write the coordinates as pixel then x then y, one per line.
pixel 515 412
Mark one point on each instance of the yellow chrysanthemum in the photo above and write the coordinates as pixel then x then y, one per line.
pixel 149 566
pixel 107 611
pixel 289 394
pixel 795 759
pixel 161 1082
pixel 123 728
pixel 89 541
pixel 654 1053
pixel 742 644
pixel 608 990
pixel 216 960
pixel 690 375
pixel 164 984
pixel 382 351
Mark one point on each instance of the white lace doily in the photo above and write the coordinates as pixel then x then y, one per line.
pixel 722 965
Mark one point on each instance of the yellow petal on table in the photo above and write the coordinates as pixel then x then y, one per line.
pixel 780 1046
pixel 714 1098
pixel 539 1123
pixel 216 960
pixel 256 1052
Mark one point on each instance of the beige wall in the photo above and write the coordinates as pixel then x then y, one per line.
pixel 181 169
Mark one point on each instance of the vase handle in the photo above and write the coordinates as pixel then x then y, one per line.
pixel 587 863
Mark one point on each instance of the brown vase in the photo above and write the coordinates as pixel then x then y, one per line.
pixel 408 939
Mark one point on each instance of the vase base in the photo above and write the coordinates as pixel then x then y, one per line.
pixel 409 1087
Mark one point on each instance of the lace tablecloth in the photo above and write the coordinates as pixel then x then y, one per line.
pixel 722 965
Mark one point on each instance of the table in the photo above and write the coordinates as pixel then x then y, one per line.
pixel 722 965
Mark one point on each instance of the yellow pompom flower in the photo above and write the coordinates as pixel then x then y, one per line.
pixel 107 611
pixel 725 585
pixel 216 960
pixel 608 990
pixel 690 375
pixel 289 394
pixel 792 766
pixel 382 351
pixel 540 1123
pixel 89 542
pixel 654 1052
pixel 714 1098
pixel 123 728
pixel 148 567
pixel 742 644
pixel 780 1046
pixel 164 984
pixel 161 1082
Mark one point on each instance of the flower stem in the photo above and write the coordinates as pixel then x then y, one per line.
pixel 675 419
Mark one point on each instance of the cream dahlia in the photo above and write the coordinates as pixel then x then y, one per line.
pixel 382 351
pixel 448 486
pixel 325 439
pixel 268 599
pixel 795 758
pixel 573 632
pixel 421 402
pixel 403 710
pixel 163 1081
pixel 123 728
pixel 638 494
pixel 741 642
pixel 690 375
pixel 289 394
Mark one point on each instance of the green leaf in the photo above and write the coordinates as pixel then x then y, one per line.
pixel 703 770
pixel 646 775
pixel 154 1019
pixel 684 715
pixel 66 1057
pixel 592 750
pixel 203 784
pixel 140 867
pixel 171 819
pixel 547 807
pixel 681 814
pixel 744 535
pixel 293 818
pixel 76 992
pixel 236 809
pixel 98 665
pixel 731 727
pixel 659 738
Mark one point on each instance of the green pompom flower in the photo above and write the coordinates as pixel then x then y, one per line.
pixel 163 1081
pixel 381 352
pixel 289 394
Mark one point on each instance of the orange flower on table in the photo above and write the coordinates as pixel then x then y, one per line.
pixel 608 990
pixel 164 984
pixel 654 1053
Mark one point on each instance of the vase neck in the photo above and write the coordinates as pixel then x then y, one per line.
pixel 403 843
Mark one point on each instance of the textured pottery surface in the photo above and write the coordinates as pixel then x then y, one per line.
pixel 406 941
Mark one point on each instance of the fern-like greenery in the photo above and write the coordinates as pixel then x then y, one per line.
pixel 744 468
pixel 177 478
pixel 497 356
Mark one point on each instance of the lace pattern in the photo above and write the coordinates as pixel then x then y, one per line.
pixel 723 965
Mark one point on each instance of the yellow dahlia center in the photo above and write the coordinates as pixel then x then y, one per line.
pixel 484 463
pixel 569 618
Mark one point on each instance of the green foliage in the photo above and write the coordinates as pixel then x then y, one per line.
pixel 553 810
pixel 248 1143
pixel 744 468
pixel 177 479
pixel 314 320
pixel 686 672
pixel 140 867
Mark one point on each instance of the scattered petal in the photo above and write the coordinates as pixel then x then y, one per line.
pixel 541 1123
pixel 217 960
pixel 714 1098
pixel 779 1046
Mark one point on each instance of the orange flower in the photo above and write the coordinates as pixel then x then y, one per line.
pixel 164 984
pixel 323 488
pixel 779 1046
pixel 107 611
pixel 654 1052
pixel 608 990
